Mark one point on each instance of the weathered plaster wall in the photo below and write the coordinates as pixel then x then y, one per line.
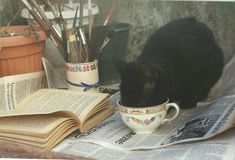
pixel 145 16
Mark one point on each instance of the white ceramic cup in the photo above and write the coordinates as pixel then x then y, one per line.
pixel 145 120
pixel 83 76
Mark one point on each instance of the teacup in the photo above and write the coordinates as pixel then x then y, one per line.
pixel 145 120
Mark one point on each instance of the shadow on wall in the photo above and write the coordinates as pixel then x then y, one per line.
pixel 147 16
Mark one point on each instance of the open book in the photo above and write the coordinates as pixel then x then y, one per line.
pixel 49 115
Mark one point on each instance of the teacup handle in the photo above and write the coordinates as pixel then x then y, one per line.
pixel 176 113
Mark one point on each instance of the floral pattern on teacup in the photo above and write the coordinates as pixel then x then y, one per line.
pixel 136 111
pixel 141 111
pixel 145 122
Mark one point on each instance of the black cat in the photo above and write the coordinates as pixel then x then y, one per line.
pixel 180 61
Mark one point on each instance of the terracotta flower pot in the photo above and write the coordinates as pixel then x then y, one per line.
pixel 21 54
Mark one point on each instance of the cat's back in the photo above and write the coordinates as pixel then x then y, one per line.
pixel 183 46
pixel 178 37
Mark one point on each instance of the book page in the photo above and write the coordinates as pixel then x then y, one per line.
pixel 43 131
pixel 40 124
pixel 63 129
pixel 53 100
pixel 96 119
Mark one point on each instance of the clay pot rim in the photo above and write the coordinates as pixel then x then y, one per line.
pixel 21 40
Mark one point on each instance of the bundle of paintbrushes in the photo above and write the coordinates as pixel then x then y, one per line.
pixel 71 42
pixel 39 15
pixel 77 46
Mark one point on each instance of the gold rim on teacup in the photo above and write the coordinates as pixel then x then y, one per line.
pixel 142 110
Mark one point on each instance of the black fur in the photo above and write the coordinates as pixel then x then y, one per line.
pixel 180 61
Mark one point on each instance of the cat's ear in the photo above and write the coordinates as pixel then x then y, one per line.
pixel 119 64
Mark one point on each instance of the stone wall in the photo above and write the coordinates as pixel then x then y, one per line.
pixel 145 16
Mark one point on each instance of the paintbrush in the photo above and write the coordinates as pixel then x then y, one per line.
pixel 32 8
pixel 78 39
pixel 73 47
pixel 81 14
pixel 51 6
pixel 90 18
pixel 110 13
pixel 82 38
pixel 36 16
pixel 52 28
pixel 75 18
pixel 84 45
pixel 63 27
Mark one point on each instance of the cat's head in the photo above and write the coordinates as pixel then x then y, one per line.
pixel 141 84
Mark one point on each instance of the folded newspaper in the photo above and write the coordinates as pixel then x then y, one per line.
pixel 14 88
pixel 220 147
pixel 203 122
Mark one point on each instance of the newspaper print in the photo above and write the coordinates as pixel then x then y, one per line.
pixel 218 148
pixel 15 88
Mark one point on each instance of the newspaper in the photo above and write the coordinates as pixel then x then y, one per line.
pixel 14 88
pixel 56 77
pixel 218 148
pixel 201 123
pixel 113 140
